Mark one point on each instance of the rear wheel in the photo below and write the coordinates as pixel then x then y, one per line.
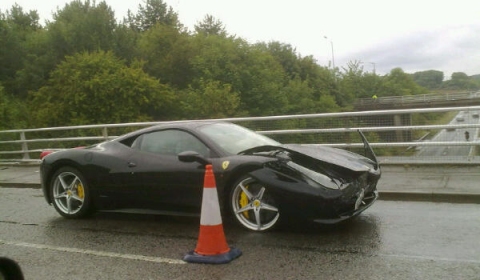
pixel 70 193
pixel 252 206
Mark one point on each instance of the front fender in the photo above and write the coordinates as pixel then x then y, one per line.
pixel 288 186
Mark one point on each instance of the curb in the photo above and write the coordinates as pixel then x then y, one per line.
pixel 430 197
pixel 20 185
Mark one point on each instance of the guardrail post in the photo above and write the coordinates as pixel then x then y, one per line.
pixel 105 133
pixel 26 155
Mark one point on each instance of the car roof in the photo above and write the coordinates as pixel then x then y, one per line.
pixel 187 125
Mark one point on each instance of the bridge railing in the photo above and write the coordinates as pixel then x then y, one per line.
pixel 329 129
pixel 420 98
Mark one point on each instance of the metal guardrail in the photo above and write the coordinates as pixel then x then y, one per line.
pixel 23 141
pixel 421 98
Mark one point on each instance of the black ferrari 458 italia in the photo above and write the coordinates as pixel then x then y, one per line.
pixel 259 181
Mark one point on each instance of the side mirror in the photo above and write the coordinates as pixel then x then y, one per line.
pixel 10 270
pixel 191 156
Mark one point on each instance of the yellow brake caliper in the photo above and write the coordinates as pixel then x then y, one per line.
pixel 243 202
pixel 80 191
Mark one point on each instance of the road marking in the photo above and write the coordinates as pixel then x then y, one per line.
pixel 94 253
pixel 427 258
pixel 175 261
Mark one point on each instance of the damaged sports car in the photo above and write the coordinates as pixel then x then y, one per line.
pixel 260 182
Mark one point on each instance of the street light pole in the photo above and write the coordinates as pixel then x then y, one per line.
pixel 373 63
pixel 333 57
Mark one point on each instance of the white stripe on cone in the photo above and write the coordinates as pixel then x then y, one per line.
pixel 210 215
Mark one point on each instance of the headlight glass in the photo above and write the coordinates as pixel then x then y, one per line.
pixel 314 178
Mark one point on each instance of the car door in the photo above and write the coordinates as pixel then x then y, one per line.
pixel 111 173
pixel 166 182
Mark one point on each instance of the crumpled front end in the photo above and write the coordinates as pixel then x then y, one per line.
pixel 356 197
pixel 299 198
pixel 323 184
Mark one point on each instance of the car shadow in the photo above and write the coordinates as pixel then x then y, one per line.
pixel 362 227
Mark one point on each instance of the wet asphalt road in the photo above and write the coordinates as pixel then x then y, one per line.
pixel 391 240
pixel 457 135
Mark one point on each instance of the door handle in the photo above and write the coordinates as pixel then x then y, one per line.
pixel 132 164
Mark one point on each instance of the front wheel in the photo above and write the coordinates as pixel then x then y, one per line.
pixel 70 193
pixel 252 206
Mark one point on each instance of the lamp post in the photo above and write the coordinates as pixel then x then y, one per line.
pixel 373 63
pixel 333 57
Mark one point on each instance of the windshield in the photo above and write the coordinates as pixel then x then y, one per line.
pixel 234 138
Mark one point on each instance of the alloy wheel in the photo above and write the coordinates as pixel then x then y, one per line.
pixel 252 206
pixel 68 193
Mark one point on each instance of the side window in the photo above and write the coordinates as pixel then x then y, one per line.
pixel 171 142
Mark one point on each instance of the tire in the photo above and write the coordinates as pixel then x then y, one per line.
pixel 70 193
pixel 253 207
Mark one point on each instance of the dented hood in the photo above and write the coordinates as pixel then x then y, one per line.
pixel 339 157
pixel 329 155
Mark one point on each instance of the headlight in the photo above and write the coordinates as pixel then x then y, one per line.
pixel 360 182
pixel 314 178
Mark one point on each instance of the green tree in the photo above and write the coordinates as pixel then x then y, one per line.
pixel 430 79
pixel 125 40
pixel 210 26
pixel 299 97
pixel 350 86
pixel 251 71
pixel 78 27
pixel 460 81
pixel 302 100
pixel 152 13
pixel 13 113
pixel 286 55
pixel 210 99
pixel 356 83
pixel 167 53
pixel 37 64
pixel 398 83
pixel 22 20
pixel 93 88
pixel 320 79
pixel 82 26
pixel 16 27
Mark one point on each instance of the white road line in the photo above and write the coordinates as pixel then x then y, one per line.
pixel 428 258
pixel 174 261
pixel 94 253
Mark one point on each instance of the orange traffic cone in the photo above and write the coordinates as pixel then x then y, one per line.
pixel 211 246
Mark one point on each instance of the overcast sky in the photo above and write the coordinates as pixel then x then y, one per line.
pixel 415 35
